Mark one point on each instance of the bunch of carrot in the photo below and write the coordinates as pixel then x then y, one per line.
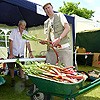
pixel 53 72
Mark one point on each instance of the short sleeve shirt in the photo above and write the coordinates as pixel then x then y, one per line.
pixel 63 18
pixel 18 42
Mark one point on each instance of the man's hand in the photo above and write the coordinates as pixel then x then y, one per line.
pixel 11 56
pixel 56 42
pixel 31 55
pixel 43 42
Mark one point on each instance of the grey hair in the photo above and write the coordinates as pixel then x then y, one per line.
pixel 22 22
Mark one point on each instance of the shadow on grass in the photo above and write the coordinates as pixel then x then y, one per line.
pixel 13 93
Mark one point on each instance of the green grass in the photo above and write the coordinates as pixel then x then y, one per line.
pixel 13 93
pixel 92 94
pixel 10 93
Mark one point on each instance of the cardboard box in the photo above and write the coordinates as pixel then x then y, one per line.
pixel 96 60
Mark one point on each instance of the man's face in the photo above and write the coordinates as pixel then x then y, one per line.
pixel 48 10
pixel 22 27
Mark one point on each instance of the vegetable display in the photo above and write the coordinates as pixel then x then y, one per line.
pixel 53 72
pixel 47 42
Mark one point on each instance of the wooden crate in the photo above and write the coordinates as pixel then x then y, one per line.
pixel 96 60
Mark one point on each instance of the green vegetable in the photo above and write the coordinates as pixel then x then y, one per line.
pixel 27 37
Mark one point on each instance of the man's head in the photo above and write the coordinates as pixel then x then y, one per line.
pixel 22 25
pixel 48 8
pixel 46 5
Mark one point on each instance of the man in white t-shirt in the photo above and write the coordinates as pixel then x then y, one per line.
pixel 16 48
pixel 57 28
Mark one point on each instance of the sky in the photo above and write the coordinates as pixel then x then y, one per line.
pixel 88 4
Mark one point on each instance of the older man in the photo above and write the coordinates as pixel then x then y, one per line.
pixel 16 48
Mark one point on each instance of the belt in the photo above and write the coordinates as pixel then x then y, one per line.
pixel 63 46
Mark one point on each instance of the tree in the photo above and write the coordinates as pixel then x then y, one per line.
pixel 73 8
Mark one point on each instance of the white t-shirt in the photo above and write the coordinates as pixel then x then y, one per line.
pixel 18 42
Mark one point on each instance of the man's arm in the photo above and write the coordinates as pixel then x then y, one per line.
pixel 66 30
pixel 65 25
pixel 11 49
pixel 29 49
pixel 64 33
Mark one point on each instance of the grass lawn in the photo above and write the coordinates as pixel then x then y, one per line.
pixel 94 93
pixel 19 93
pixel 13 93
